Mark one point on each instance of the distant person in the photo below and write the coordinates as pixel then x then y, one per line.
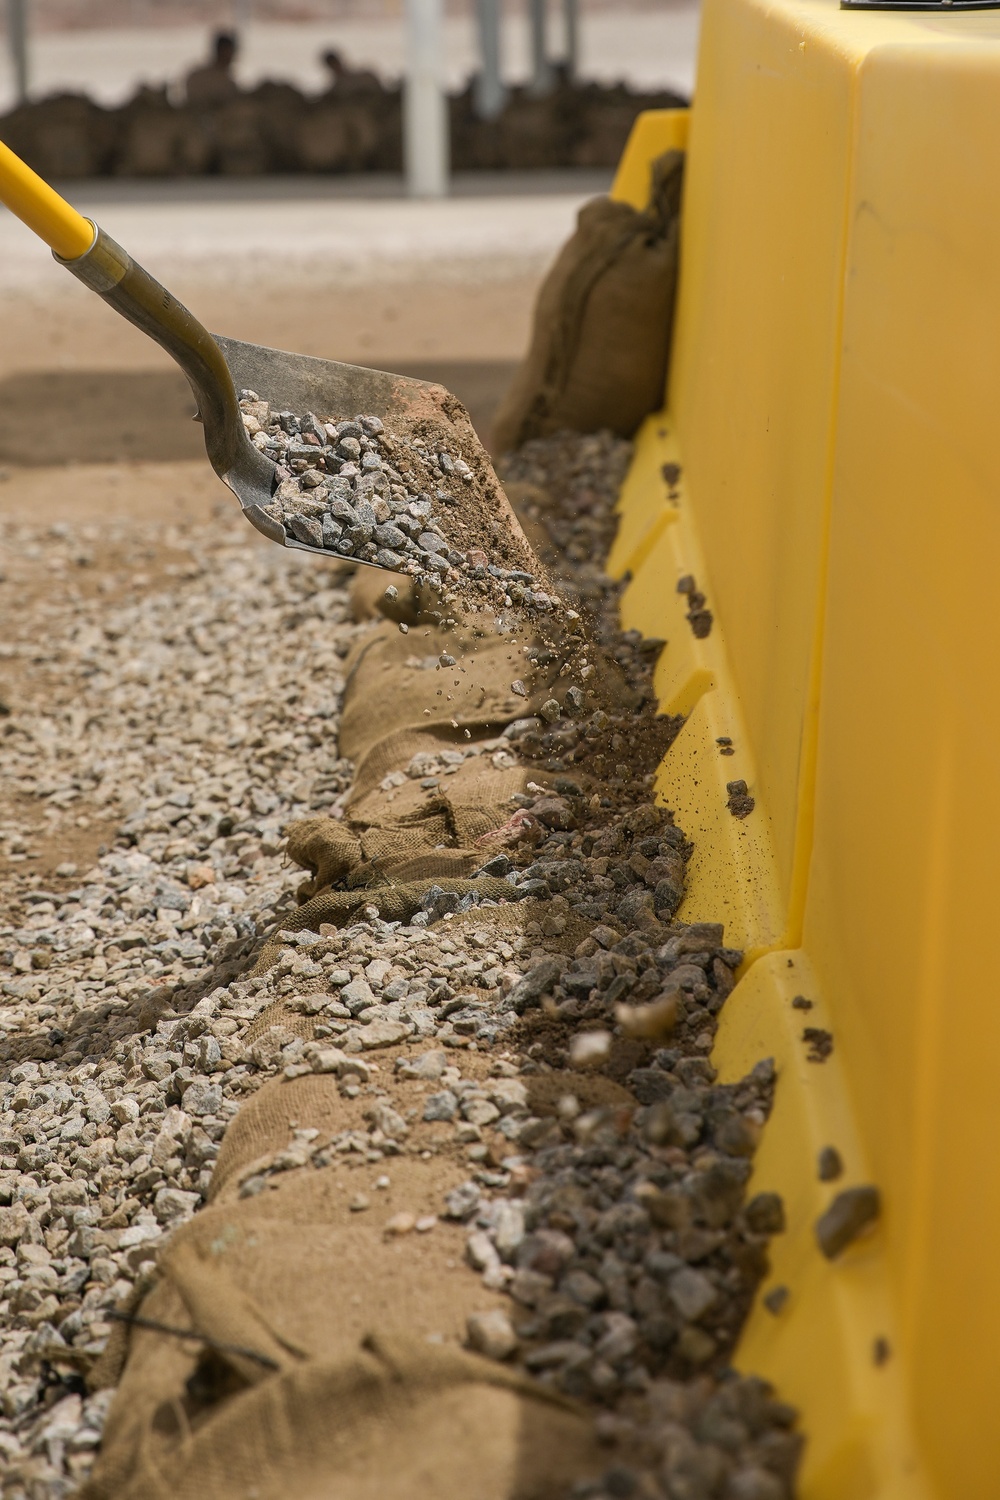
pixel 345 81
pixel 213 82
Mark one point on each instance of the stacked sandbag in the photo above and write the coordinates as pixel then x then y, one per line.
pixel 435 789
pixel 603 320
pixel 65 136
pixel 356 134
pixel 155 140
pixel 274 128
pixel 438 782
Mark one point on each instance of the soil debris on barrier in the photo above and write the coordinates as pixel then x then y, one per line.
pixel 459 1091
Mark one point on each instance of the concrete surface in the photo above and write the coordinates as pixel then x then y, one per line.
pixel 311 241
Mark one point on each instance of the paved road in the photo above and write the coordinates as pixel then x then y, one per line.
pixel 308 240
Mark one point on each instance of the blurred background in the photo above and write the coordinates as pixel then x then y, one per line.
pixel 107 48
pixel 380 181
pixel 160 88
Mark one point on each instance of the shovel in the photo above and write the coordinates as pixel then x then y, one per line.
pixel 219 368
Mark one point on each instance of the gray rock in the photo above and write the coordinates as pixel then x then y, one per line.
pixel 172 1203
pixel 382 1034
pixel 529 1287
pixel 428 1065
pixel 357 995
pixel 830 1165
pixel 560 1353
pixel 306 529
pixel 443 1106
pixel 692 1293
pixel 765 1214
pixel 537 982
pixel 462 1201
pixel 15 1224
pixel 203 1099
pixel 508 1228
pixel 481 1252
pixel 619 1340
pixel 851 1212
pixel 583 1288
pixel 479 1112
pixel 755 1484
pixel 491 1333
pixel 389 1121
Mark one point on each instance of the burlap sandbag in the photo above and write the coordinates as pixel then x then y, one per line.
pixel 401 831
pixel 393 903
pixel 391 706
pixel 330 1365
pixel 397 838
pixel 408 832
pixel 603 320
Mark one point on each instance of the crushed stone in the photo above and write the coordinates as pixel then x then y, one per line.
pixel 394 500
pixel 605 1191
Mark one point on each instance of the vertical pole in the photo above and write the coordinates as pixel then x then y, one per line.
pixel 542 80
pixel 425 108
pixel 571 21
pixel 17 37
pixel 490 94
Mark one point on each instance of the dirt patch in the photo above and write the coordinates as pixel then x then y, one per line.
pixel 112 416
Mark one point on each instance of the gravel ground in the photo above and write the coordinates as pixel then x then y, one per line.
pixel 194 716
pixel 185 724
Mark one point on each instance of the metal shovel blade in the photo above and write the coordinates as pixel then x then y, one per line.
pixel 301 383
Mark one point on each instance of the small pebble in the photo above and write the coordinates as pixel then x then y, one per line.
pixel 590 1049
pixel 851 1213
pixel 830 1166
pixel 776 1299
pixel 492 1334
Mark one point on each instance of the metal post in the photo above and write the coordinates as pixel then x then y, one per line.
pixel 17 39
pixel 536 16
pixel 571 24
pixel 542 77
pixel 490 94
pixel 425 108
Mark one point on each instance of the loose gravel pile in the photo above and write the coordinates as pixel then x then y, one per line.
pixel 397 500
pixel 558 1042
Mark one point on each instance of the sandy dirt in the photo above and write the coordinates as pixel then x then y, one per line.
pixel 381 324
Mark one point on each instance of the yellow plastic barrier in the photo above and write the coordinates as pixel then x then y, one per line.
pixel 833 484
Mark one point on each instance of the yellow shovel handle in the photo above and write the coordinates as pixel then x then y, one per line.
pixel 36 204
